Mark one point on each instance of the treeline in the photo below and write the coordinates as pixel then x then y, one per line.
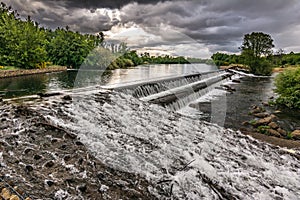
pixel 277 60
pixel 24 44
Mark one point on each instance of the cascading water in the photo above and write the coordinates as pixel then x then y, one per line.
pixel 187 158
pixel 175 92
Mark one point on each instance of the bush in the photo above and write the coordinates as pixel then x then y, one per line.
pixel 288 87
pixel 260 66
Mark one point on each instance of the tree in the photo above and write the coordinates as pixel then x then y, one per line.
pixel 256 47
pixel 258 44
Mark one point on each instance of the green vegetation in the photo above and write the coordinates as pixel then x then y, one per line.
pixel 289 136
pixel 263 129
pixel 256 52
pixel 288 87
pixel 24 44
pixel 252 122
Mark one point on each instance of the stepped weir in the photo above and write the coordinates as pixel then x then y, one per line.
pixel 174 92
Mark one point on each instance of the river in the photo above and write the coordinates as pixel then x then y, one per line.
pixel 182 156
pixel 33 84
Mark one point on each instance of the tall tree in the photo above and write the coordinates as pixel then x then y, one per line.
pixel 256 47
pixel 258 44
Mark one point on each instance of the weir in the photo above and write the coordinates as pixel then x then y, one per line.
pixel 174 92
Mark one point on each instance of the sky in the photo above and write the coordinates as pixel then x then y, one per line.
pixel 196 28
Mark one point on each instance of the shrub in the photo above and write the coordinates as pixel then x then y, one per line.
pixel 263 129
pixel 288 87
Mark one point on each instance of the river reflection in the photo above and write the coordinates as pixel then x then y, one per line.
pixel 33 84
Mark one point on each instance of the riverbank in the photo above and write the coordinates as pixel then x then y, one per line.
pixel 23 72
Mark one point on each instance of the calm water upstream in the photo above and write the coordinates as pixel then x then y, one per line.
pixel 32 84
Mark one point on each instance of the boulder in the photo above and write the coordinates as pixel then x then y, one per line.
pixel 296 134
pixel 261 115
pixel 282 132
pixel 273 125
pixel 264 121
pixel 273 132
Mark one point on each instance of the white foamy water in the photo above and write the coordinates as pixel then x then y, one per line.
pixel 178 152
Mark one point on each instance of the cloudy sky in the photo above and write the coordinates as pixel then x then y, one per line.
pixel 195 28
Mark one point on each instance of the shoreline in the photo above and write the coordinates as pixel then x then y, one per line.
pixel 24 72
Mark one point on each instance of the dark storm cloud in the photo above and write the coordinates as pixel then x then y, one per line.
pixel 218 24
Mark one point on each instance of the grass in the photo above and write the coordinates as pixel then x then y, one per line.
pixel 252 122
pixel 263 129
pixel 289 135
pixel 8 68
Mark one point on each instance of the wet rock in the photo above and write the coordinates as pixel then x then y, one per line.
pixel 236 81
pixel 67 98
pixel 70 135
pixel 29 168
pixel 78 143
pixel 82 188
pixel 27 150
pixel 296 134
pixel 282 132
pixel 261 115
pixel 37 157
pixel 273 125
pixel 273 132
pixel 49 183
pixel 67 158
pixel 50 94
pixel 49 164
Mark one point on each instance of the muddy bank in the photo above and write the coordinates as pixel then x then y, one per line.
pixel 43 161
pixel 23 72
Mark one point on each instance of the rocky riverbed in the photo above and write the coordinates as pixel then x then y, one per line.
pixel 103 145
pixel 22 72
pixel 39 160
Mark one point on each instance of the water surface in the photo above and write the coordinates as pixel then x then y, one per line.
pixel 33 84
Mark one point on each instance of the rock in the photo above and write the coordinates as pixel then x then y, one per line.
pixel 29 168
pixel 256 109
pixel 273 125
pixel 282 132
pixel 273 116
pixel 296 134
pixel 273 132
pixel 277 111
pixel 37 157
pixel 261 115
pixel 14 197
pixel 265 103
pixel 5 193
pixel 264 121
pixel 49 164
pixel 78 143
pixel 49 183
pixel 236 81
pixel 245 123
pixel 50 94
pixel 82 188
pixel 67 98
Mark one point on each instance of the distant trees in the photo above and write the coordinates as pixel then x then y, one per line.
pixel 256 53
